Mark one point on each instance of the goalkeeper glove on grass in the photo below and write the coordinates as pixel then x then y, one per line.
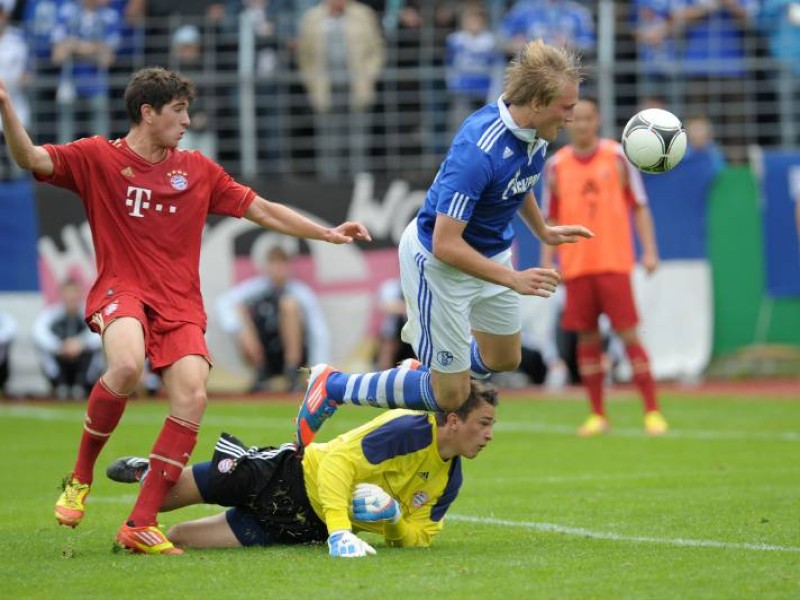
pixel 345 544
pixel 371 503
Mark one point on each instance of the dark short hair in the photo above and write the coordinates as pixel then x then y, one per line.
pixel 157 87
pixel 478 392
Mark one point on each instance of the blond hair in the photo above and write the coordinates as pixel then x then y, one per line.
pixel 539 72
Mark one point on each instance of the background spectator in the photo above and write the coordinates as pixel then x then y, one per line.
pixel 779 20
pixel 277 323
pixel 556 22
pixel 69 353
pixel 472 57
pixel 657 50
pixel 85 41
pixel 14 73
pixel 715 52
pixel 340 55
pixel 187 57
pixel 39 21
pixel 700 141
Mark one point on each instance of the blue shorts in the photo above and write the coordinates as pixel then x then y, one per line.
pixel 244 524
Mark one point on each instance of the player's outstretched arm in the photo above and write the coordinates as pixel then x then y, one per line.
pixel 281 218
pixel 552 235
pixel 29 157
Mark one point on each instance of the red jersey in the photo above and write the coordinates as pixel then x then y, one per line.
pixel 591 190
pixel 147 220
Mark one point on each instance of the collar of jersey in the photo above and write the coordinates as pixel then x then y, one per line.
pixel 523 134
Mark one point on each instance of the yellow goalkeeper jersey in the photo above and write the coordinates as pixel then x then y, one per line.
pixel 396 451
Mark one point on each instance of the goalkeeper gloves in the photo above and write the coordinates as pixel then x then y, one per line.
pixel 371 503
pixel 345 544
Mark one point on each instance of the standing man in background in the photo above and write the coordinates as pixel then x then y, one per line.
pixel 591 181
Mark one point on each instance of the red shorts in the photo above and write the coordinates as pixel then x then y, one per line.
pixel 165 341
pixel 590 296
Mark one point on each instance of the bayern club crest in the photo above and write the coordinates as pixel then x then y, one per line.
pixel 419 499
pixel 178 180
pixel 225 465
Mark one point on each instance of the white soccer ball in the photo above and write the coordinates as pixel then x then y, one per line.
pixel 654 140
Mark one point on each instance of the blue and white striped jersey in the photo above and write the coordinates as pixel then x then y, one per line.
pixel 483 180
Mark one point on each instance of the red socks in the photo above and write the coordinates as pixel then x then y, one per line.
pixel 591 369
pixel 170 454
pixel 103 411
pixel 642 377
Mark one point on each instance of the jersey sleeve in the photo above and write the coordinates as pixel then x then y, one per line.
pixel 464 176
pixel 72 163
pixel 228 197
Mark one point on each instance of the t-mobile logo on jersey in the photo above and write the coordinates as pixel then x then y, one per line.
pixel 139 199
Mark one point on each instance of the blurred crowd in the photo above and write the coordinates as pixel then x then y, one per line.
pixel 341 83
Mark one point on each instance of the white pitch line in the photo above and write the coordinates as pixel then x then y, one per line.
pixel 617 537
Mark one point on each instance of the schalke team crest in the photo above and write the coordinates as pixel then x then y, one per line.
pixel 178 180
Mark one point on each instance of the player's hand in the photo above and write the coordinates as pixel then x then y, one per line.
pixel 371 503
pixel 650 262
pixel 348 232
pixel 536 282
pixel 565 234
pixel 345 544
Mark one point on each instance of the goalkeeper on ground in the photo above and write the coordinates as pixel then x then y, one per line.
pixel 396 476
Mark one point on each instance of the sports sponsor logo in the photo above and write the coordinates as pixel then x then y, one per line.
pixel 111 308
pixel 424 475
pixel 519 185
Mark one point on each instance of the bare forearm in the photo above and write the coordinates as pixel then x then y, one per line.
pixel 280 218
pixel 646 231
pixel 458 254
pixel 23 151
pixel 532 216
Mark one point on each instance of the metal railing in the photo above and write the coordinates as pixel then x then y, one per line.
pixel 259 120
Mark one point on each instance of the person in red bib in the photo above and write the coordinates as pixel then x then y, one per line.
pixel 590 181
pixel 147 202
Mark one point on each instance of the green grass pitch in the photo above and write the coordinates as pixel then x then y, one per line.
pixel 712 510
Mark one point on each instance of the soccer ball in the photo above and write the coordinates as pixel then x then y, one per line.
pixel 654 140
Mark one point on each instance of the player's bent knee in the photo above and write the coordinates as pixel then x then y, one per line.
pixel 505 363
pixel 123 375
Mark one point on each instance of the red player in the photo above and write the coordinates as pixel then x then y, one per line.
pixel 590 181
pixel 147 204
